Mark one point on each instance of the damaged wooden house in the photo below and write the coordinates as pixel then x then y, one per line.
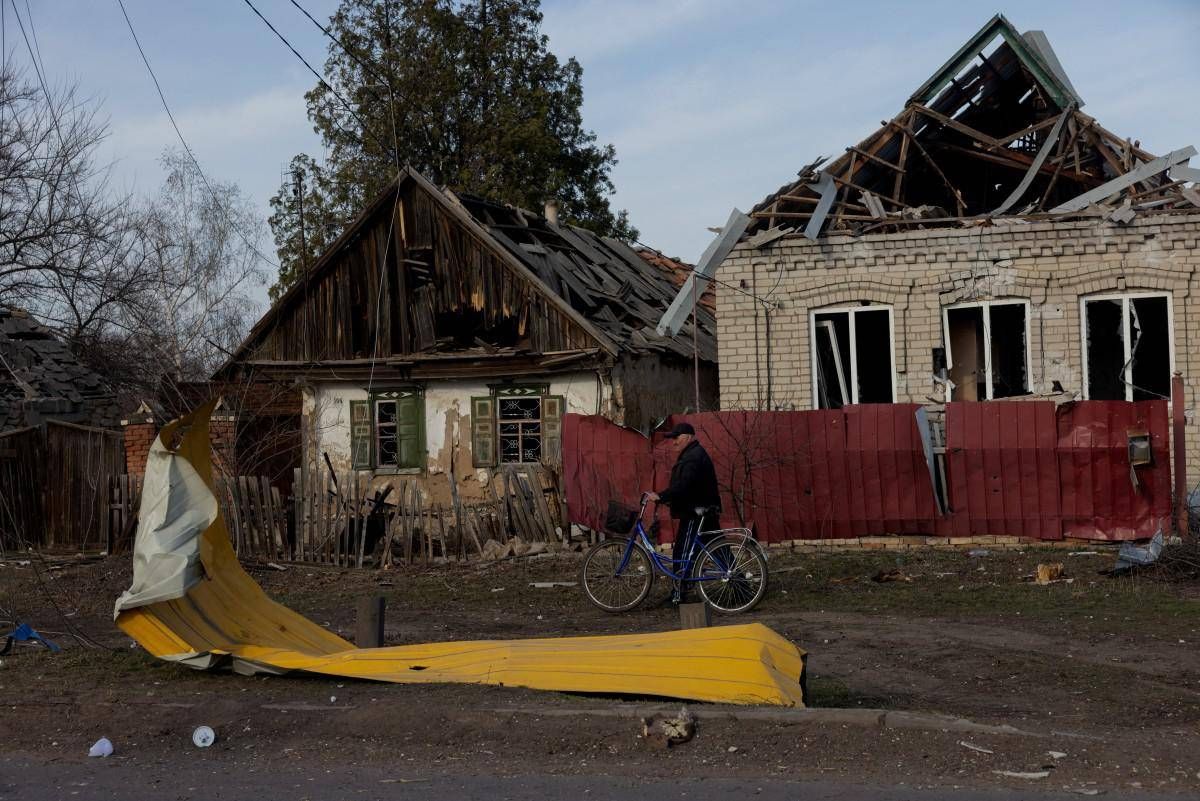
pixel 442 333
pixel 990 241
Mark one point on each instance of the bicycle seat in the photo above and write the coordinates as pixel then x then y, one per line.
pixel 704 511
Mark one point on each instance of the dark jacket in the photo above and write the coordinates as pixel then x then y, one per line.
pixel 693 482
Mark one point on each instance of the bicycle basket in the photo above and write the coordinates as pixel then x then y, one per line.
pixel 620 518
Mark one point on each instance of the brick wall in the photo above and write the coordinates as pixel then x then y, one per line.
pixel 141 433
pixel 1050 264
pixel 139 436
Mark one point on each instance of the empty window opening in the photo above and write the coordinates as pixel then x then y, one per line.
pixel 1128 346
pixel 988 348
pixel 852 356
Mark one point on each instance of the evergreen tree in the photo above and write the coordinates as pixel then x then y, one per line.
pixel 469 94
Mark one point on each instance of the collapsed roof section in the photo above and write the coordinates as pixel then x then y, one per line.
pixel 619 291
pixel 996 131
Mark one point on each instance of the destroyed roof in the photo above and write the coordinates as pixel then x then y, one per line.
pixel 678 271
pixel 996 131
pixel 604 279
pixel 38 372
pixel 521 286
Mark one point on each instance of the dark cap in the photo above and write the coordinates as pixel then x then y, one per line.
pixel 680 429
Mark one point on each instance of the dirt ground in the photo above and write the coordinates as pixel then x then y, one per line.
pixel 1098 677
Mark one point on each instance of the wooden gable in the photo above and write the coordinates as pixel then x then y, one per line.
pixel 415 275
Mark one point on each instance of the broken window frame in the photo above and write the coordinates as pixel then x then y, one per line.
pixel 849 372
pixel 1125 298
pixel 985 307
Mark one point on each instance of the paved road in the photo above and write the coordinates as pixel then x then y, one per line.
pixel 129 780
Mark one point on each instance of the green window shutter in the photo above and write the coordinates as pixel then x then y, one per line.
pixel 483 431
pixel 410 423
pixel 360 434
pixel 553 407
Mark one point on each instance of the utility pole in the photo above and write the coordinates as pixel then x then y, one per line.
pixel 298 194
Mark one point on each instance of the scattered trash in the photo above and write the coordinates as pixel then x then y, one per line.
pixel 732 749
pixel 333 699
pixel 1131 556
pixel 102 748
pixel 497 589
pixel 1050 572
pixel 1016 774
pixel 974 747
pixel 1084 790
pixel 274 566
pixel 895 574
pixel 1056 754
pixel 26 633
pixel 661 731
pixel 979 552
pixel 545 585
pixel 203 737
pixel 1084 553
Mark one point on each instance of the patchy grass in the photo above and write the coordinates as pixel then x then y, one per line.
pixel 953 584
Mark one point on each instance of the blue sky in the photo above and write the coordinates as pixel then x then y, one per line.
pixel 710 103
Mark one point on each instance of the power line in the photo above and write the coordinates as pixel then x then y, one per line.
pixel 166 107
pixel 321 78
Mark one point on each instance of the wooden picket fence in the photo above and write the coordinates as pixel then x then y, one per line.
pixel 351 519
pixel 355 520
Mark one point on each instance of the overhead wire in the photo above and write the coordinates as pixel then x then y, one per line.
pixel 321 78
pixel 187 148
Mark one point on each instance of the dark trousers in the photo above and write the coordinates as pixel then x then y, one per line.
pixel 686 531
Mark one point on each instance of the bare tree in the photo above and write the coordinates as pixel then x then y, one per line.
pixel 199 268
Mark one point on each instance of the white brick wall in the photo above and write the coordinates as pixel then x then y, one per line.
pixel 918 272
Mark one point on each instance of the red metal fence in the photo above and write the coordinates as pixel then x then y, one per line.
pixel 1014 468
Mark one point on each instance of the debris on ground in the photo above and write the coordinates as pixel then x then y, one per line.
pixel 1084 553
pixel 1056 754
pixel 546 585
pixel 1048 573
pixel 979 552
pixel 102 748
pixel 895 574
pixel 1133 556
pixel 973 747
pixel 26 633
pixel 1017 774
pixel 203 736
pixel 661 731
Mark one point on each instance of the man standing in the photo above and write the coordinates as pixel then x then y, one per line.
pixel 693 485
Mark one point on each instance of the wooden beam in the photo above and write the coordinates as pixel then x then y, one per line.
pixel 1012 137
pixel 958 201
pixel 903 164
pixel 852 185
pixel 966 130
pixel 876 159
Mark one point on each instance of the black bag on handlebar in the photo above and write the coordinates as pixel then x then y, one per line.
pixel 620 518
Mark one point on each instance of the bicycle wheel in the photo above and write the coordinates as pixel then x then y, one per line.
pixel 732 574
pixel 610 590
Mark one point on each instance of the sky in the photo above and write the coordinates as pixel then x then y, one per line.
pixel 710 104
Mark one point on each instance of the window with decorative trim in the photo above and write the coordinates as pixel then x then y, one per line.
pixel 516 425
pixel 987 349
pixel 853 356
pixel 1128 346
pixel 387 430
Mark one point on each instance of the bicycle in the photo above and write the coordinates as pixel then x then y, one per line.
pixel 728 566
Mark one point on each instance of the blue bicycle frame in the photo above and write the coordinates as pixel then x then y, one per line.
pixel 665 564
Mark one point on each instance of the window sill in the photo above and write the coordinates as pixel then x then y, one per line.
pixel 398 471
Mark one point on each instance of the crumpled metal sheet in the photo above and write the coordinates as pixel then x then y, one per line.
pixel 218 617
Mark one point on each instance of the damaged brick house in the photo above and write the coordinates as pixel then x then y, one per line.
pixel 442 332
pixel 990 241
